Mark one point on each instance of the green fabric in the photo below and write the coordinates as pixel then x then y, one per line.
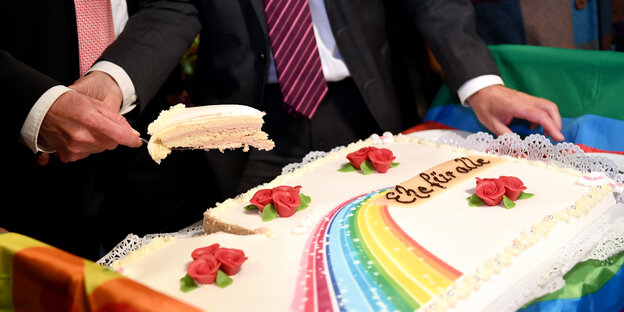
pixel 576 80
pixel 586 278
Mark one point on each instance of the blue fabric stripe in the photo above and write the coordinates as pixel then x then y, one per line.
pixel 591 130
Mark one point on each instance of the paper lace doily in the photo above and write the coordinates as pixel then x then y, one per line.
pixel 602 240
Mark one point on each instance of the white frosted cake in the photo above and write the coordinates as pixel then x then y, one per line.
pixel 207 127
pixel 412 238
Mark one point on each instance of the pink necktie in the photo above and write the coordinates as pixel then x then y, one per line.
pixel 297 61
pixel 94 20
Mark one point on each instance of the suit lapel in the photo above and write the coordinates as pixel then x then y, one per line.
pixel 258 7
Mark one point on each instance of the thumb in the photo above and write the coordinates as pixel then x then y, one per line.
pixel 120 130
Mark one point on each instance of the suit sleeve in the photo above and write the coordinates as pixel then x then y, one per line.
pixel 152 43
pixel 21 87
pixel 449 28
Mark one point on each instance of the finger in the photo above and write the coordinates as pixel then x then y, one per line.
pixel 70 157
pixel 43 159
pixel 542 118
pixel 498 128
pixel 3 230
pixel 552 110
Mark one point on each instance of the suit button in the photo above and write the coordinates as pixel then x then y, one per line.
pixel 580 4
pixel 261 55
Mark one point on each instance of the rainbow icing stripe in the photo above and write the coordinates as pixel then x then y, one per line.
pixel 358 258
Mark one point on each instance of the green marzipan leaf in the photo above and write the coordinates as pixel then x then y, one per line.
pixel 269 213
pixel 305 201
pixel 508 202
pixel 251 207
pixel 393 165
pixel 525 195
pixel 223 280
pixel 187 283
pixel 348 167
pixel 367 167
pixel 475 201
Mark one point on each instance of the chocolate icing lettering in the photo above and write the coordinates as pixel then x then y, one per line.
pixel 410 194
pixel 463 160
pixel 483 161
pixel 437 176
pixel 410 191
pixel 427 178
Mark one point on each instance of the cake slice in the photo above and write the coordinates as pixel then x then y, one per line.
pixel 207 127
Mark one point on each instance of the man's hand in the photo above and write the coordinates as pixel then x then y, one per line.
pixel 496 106
pixel 100 86
pixel 77 125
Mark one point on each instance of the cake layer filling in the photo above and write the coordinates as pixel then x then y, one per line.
pixel 207 127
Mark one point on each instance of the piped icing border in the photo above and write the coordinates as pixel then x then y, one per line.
pixel 462 288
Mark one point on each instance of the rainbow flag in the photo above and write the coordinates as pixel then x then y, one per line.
pixel 35 277
pixel 586 86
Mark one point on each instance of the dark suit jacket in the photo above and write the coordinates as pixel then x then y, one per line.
pixel 375 37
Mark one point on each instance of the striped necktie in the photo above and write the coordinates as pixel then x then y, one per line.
pixel 297 61
pixel 94 22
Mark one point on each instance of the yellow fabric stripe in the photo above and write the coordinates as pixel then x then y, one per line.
pixel 96 275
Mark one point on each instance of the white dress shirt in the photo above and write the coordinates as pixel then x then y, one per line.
pixel 30 129
pixel 334 69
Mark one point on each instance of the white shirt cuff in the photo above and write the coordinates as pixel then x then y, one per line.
pixel 30 129
pixel 123 81
pixel 473 85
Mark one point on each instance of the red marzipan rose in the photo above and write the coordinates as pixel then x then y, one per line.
pixel 204 270
pixel 490 190
pixel 358 157
pixel 231 259
pixel 262 198
pixel 202 251
pixel 382 159
pixel 293 190
pixel 286 201
pixel 513 186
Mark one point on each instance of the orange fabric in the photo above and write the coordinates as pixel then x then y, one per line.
pixel 47 279
pixel 122 294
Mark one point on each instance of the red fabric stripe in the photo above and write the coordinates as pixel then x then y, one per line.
pixel 589 149
pixel 427 125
